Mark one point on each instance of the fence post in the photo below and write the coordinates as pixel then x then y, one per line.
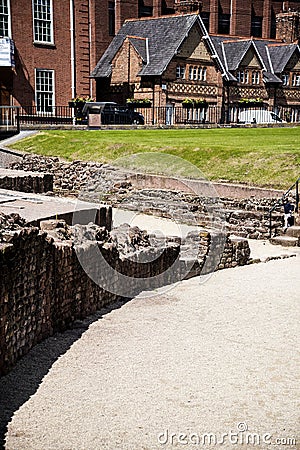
pixel 297 196
pixel 18 119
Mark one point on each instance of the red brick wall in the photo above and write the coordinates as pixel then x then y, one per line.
pixel 241 18
pixel 58 57
pixel 30 56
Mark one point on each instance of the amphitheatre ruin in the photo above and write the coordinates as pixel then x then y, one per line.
pixel 70 260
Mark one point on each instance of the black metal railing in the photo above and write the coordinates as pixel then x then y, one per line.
pixel 56 115
pixel 9 120
pixel 170 115
pixel 280 202
pixel 212 114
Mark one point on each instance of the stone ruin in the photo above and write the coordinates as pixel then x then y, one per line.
pixel 47 273
pixel 54 273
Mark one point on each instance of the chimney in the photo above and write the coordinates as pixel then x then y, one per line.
pixel 187 6
pixel 288 26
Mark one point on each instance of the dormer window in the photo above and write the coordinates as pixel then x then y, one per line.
pixel 202 74
pixel 296 79
pixel 285 79
pixel 180 71
pixel 243 76
pixel 255 77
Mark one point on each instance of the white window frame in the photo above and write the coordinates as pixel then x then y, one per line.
pixel 285 79
pixel 42 111
pixel 255 77
pixel 8 20
pixel 180 71
pixel 195 73
pixel 296 79
pixel 246 76
pixel 240 76
pixel 37 41
pixel 243 76
pixel 191 72
pixel 203 73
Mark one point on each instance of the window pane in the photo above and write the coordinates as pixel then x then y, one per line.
pixel 285 79
pixel 42 17
pixel 256 26
pixel 4 18
pixel 224 24
pixel 44 90
pixel 111 18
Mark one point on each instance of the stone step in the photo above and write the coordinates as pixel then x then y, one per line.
pixel 285 241
pixel 293 231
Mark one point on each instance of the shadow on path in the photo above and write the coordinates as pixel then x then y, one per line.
pixel 24 379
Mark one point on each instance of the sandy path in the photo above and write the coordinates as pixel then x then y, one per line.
pixel 199 359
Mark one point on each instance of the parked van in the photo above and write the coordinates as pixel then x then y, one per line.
pixel 259 116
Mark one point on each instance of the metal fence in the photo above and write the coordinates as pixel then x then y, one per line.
pixel 9 120
pixel 167 115
pixel 57 115
pixel 212 114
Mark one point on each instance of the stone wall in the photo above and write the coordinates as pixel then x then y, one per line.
pixel 246 209
pixel 44 288
pixel 71 177
pixel 25 181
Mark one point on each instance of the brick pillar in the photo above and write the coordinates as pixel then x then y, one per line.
pixel 288 27
pixel 241 18
pixel 266 25
pixel 125 9
pixel 187 6
pixel 157 8
pixel 214 14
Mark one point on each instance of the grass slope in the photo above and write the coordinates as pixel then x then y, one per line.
pixel 260 156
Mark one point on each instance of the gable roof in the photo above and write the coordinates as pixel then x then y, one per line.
pixel 235 52
pixel 170 30
pixel 232 49
pixel 140 45
pixel 157 41
pixel 280 55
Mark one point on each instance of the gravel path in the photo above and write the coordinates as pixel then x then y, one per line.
pixel 7 156
pixel 202 358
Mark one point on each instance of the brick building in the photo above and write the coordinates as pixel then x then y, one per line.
pixel 173 58
pixel 55 49
pixel 48 48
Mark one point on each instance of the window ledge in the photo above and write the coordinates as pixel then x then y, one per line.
pixel 44 44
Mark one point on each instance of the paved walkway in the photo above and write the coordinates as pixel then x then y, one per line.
pixel 7 156
pixel 202 358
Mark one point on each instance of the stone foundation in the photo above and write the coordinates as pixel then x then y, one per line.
pixel 246 209
pixel 44 288
pixel 24 181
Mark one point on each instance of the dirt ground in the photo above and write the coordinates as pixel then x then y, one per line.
pixel 203 365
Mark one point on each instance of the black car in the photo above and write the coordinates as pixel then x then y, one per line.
pixel 115 114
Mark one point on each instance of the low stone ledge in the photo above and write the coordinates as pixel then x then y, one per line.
pixel 44 288
pixel 25 181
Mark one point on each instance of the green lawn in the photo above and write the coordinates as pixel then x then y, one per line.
pixel 260 156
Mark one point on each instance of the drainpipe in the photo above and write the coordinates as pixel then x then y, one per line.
pixel 73 60
pixel 90 46
pixel 153 101
pixel 128 70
